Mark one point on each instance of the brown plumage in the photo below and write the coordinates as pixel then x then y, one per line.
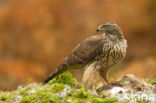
pixel 96 53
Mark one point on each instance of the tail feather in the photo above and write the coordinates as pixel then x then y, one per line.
pixel 62 68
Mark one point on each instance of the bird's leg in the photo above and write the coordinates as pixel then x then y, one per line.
pixel 91 76
pixel 105 78
pixel 103 73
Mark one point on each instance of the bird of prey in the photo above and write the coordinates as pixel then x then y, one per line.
pixel 98 52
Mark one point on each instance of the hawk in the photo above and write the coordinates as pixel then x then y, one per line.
pixel 96 54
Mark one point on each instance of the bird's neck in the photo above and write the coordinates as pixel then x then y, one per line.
pixel 115 40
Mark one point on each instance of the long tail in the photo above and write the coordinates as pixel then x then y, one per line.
pixel 62 68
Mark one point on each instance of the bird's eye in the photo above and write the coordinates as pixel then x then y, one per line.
pixel 106 26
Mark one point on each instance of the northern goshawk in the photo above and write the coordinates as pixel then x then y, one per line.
pixel 97 53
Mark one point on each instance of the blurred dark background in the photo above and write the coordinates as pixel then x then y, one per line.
pixel 36 35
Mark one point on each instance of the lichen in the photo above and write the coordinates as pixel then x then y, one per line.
pixel 62 89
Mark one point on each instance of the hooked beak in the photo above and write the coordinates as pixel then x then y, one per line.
pixel 98 29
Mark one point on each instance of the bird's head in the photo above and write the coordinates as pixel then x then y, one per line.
pixel 112 30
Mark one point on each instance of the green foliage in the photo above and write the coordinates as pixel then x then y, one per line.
pixel 152 81
pixel 42 96
pixel 57 88
pixel 27 99
pixel 65 78
pixel 122 80
pixel 4 98
pixel 147 80
pixel 60 90
pixel 142 101
pixel 110 100
pixel 81 93
pixel 25 91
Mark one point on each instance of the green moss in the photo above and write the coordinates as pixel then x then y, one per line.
pixel 122 81
pixel 25 91
pixel 110 100
pixel 79 93
pixel 4 98
pixel 154 83
pixel 82 93
pixel 142 101
pixel 65 78
pixel 51 93
pixel 147 80
pixel 57 88
pixel 27 99
pixel 39 97
pixel 48 98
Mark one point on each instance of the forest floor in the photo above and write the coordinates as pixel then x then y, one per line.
pixel 65 89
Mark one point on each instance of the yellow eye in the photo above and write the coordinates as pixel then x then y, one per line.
pixel 107 26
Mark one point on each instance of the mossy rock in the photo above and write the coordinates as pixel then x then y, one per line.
pixel 62 89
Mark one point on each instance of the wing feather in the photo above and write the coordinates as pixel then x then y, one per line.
pixel 84 52
pixel 87 51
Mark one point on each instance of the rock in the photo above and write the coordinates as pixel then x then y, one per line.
pixel 130 88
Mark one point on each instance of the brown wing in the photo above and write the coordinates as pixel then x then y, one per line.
pixel 87 51
pixel 84 52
